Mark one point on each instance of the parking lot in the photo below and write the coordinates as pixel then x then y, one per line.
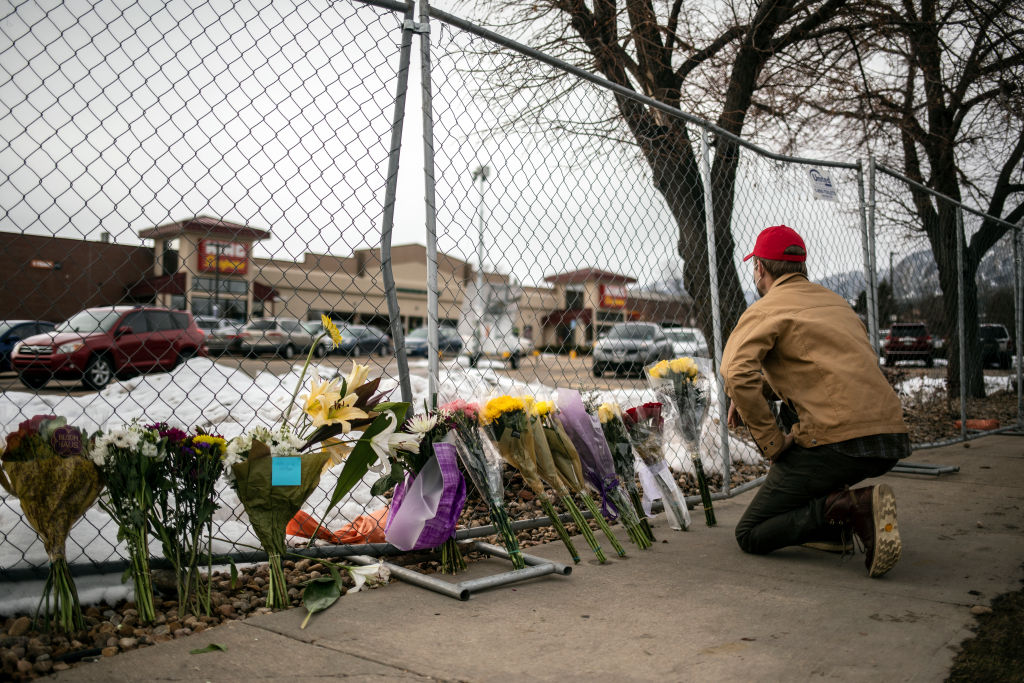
pixel 547 369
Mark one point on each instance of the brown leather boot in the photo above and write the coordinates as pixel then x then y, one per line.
pixel 870 512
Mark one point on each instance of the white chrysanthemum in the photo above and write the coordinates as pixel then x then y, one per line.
pixel 422 424
pixel 123 439
pixel 98 454
pixel 149 449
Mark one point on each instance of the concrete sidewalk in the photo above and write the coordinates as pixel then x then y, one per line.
pixel 693 607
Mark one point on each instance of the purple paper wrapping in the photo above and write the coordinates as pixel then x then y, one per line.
pixel 425 508
pixel 585 432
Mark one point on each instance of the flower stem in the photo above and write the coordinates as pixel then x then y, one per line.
pixel 705 493
pixel 138 551
pixel 634 496
pixel 628 518
pixel 581 524
pixel 277 591
pixel 302 376
pixel 499 518
pixel 452 560
pixel 602 522
pixel 563 533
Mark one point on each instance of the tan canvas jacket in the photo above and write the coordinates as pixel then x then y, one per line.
pixel 812 350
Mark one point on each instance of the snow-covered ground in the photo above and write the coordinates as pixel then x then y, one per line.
pixel 228 401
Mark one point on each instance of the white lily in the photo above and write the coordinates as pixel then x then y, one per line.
pixel 372 574
pixel 387 442
pixel 356 377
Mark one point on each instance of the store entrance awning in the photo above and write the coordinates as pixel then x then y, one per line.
pixel 262 292
pixel 566 316
pixel 158 284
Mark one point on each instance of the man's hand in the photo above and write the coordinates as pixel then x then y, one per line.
pixel 733 419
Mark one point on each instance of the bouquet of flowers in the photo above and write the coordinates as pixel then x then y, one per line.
pixel 484 470
pixel 645 426
pixel 45 466
pixel 274 473
pixel 506 421
pixel 130 460
pixel 184 506
pixel 567 461
pixel 585 432
pixel 430 493
pixel 610 415
pixel 681 384
pixel 539 412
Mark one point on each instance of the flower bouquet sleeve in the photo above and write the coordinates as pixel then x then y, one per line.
pixel 273 480
pixel 682 385
pixel 610 415
pixel 567 461
pixel 484 471
pixel 45 467
pixel 506 422
pixel 644 425
pixel 539 413
pixel 585 432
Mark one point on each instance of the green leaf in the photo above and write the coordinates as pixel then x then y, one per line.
pixel 212 647
pixel 320 594
pixel 357 463
pixel 380 486
pixel 234 574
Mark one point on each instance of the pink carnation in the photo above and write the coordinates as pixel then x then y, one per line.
pixel 471 410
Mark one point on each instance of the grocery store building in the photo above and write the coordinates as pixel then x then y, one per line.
pixel 206 266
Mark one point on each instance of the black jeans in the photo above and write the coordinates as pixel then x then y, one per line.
pixel 789 508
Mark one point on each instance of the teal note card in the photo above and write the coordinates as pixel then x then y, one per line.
pixel 286 471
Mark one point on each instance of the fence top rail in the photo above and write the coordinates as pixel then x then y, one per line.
pixel 393 5
pixel 528 51
pixel 977 212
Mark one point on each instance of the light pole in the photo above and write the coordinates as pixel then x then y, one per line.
pixel 892 282
pixel 481 173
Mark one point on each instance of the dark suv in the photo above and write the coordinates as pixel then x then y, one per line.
pixel 98 344
pixel 909 341
pixel 995 346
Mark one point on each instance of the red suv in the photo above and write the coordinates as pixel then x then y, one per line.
pixel 909 341
pixel 98 344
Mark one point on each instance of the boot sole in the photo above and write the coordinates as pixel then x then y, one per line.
pixel 887 534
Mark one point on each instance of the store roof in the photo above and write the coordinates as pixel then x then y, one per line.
pixel 207 226
pixel 575 277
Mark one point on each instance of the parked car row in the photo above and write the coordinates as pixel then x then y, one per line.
pixel 911 341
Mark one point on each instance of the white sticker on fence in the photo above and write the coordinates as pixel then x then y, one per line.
pixel 821 185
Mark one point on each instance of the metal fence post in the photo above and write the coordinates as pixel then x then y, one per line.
pixel 960 315
pixel 394 314
pixel 433 346
pixel 716 314
pixel 1018 321
pixel 868 245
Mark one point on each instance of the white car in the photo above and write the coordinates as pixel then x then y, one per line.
pixel 687 341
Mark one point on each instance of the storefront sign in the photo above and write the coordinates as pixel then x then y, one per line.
pixel 227 257
pixel 613 296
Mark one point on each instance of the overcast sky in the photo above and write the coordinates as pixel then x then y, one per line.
pixel 278 116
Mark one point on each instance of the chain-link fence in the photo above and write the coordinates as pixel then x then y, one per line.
pixel 243 166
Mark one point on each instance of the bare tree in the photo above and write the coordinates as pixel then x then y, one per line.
pixel 938 91
pixel 734 63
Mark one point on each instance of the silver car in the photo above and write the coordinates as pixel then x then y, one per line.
pixel 285 337
pixel 687 341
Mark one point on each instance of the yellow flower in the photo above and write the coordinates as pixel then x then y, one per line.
pixel 332 329
pixel 659 369
pixel 528 402
pixel 320 394
pixel 496 407
pixel 542 408
pixel 215 441
pixel 606 412
pixel 340 412
pixel 357 377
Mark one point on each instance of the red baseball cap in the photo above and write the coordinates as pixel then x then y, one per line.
pixel 772 244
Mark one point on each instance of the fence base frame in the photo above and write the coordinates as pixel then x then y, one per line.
pixel 463 590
